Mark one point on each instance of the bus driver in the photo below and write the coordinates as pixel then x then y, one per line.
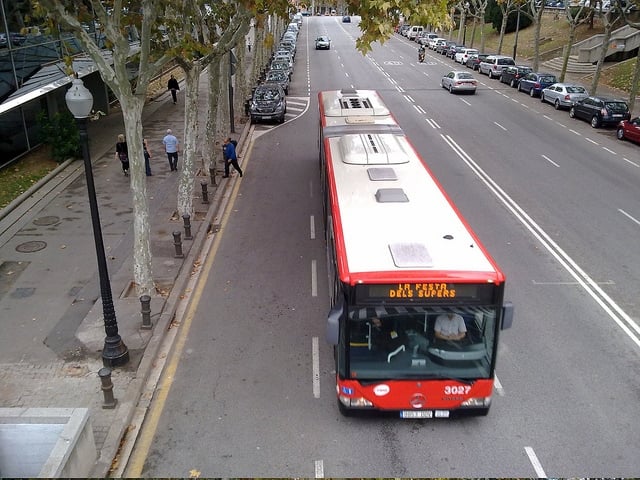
pixel 450 326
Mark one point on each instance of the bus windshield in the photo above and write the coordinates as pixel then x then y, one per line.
pixel 420 342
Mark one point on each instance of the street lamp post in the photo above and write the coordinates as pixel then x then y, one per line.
pixel 115 352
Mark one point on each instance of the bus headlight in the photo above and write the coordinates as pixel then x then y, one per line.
pixel 355 402
pixel 476 402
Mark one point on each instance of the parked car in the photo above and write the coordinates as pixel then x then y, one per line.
pixel 600 111
pixel 629 130
pixel 563 95
pixel 414 31
pixel 283 56
pixel 452 50
pixel 513 73
pixel 443 48
pixel 323 43
pixel 433 42
pixel 473 62
pixel 463 55
pixel 268 102
pixel 459 82
pixel 533 83
pixel 346 19
pixel 279 77
pixel 492 65
pixel 424 37
pixel 281 65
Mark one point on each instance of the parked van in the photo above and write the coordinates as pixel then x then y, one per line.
pixel 493 65
pixel 414 31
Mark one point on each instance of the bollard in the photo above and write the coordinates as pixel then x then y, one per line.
pixel 145 302
pixel 177 242
pixel 205 194
pixel 212 174
pixel 107 388
pixel 187 226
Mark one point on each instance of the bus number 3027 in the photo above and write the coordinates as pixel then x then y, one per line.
pixel 456 390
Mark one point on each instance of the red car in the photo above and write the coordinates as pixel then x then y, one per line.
pixel 629 130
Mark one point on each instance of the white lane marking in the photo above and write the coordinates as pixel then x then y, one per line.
pixel 432 123
pixel 629 216
pixel 629 161
pixel 592 141
pixel 312 227
pixel 608 305
pixel 419 109
pixel 609 150
pixel 550 161
pixel 409 99
pixel 315 360
pixel 462 99
pixel 500 126
pixel 319 469
pixel 573 131
pixel 498 386
pixel 314 278
pixel 537 466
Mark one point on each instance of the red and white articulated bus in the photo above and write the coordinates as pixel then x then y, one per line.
pixel 416 300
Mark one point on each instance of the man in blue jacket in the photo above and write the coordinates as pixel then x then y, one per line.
pixel 229 153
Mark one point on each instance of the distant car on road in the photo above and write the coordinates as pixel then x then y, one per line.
pixel 323 43
pixel 629 130
pixel 346 19
pixel 600 111
pixel 459 82
pixel 533 83
pixel 563 95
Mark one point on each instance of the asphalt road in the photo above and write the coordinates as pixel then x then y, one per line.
pixel 250 391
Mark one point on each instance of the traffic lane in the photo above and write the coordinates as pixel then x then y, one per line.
pixel 561 188
pixel 468 193
pixel 245 381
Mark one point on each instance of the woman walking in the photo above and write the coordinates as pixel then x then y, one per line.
pixel 122 154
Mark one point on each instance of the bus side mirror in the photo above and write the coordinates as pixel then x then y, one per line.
pixel 507 315
pixel 333 323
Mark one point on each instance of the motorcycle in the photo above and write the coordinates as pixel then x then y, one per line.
pixel 421 57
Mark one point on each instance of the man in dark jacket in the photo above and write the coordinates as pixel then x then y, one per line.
pixel 229 154
pixel 174 87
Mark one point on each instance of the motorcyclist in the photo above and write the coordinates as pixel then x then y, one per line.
pixel 421 52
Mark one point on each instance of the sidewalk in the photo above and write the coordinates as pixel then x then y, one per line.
pixel 53 331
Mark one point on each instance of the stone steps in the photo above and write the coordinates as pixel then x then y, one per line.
pixel 573 66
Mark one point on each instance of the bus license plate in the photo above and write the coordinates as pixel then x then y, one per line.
pixel 416 414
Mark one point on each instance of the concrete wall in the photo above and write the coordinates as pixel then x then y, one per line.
pixel 46 442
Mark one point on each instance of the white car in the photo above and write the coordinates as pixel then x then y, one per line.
pixel 437 43
pixel 433 41
pixel 463 56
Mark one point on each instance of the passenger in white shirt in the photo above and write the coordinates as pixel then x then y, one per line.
pixel 450 326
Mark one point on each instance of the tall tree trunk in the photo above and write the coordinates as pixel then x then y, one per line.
pixel 187 174
pixel 606 37
pixel 132 106
pixel 634 83
pixel 209 145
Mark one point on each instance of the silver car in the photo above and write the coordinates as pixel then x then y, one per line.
pixel 563 95
pixel 459 82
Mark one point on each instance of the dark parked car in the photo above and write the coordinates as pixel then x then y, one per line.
pixel 280 77
pixel 346 19
pixel 629 130
pixel 451 52
pixel 534 83
pixel 268 103
pixel 444 47
pixel 601 111
pixel 473 61
pixel 513 73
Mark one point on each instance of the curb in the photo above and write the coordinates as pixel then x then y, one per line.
pixel 122 435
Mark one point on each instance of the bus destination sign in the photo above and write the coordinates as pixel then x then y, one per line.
pixel 424 292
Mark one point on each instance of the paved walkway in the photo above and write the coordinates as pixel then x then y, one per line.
pixel 50 308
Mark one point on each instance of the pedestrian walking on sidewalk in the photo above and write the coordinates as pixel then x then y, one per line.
pixel 229 155
pixel 147 157
pixel 173 85
pixel 171 147
pixel 122 154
